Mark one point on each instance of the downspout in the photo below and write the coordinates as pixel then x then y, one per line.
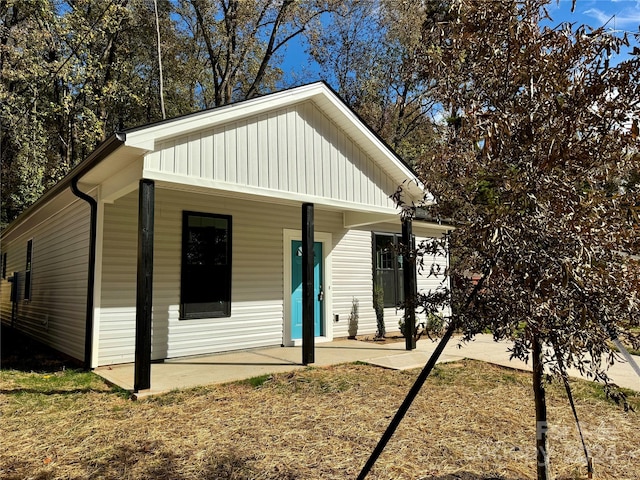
pixel 88 335
pixel 100 153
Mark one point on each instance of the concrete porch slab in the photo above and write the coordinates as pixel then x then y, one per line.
pixel 227 367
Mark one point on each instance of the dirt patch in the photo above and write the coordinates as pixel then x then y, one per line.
pixel 393 337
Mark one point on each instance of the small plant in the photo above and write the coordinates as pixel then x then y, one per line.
pixel 353 318
pixel 378 306
pixel 434 326
pixel 257 382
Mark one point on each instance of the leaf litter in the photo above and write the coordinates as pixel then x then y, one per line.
pixel 471 421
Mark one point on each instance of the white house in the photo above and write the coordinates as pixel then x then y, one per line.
pixel 206 209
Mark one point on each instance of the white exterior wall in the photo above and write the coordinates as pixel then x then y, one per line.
pixel 56 312
pixel 269 157
pixel 257 310
pixel 295 150
pixel 257 277
pixel 353 278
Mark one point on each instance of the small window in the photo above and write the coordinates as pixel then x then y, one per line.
pixel 206 266
pixel 388 273
pixel 27 272
pixel 4 265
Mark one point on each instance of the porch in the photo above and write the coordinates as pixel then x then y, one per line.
pixel 188 372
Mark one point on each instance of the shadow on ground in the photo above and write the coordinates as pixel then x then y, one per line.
pixel 465 476
pixel 19 352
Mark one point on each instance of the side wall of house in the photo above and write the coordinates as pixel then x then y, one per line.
pixel 56 312
pixel 258 279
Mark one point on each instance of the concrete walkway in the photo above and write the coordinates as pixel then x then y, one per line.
pixel 227 367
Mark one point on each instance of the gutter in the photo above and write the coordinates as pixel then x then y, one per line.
pixel 99 154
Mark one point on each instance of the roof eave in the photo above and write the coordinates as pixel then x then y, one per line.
pixel 101 152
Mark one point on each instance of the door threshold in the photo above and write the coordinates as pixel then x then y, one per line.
pixel 297 342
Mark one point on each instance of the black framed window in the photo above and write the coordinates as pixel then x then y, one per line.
pixel 4 265
pixel 205 289
pixel 388 273
pixel 27 271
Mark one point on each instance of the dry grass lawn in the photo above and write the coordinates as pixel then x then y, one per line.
pixel 471 421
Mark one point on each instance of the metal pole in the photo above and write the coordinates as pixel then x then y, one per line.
pixel 420 380
pixel 144 288
pixel 308 340
pixel 415 389
pixel 410 287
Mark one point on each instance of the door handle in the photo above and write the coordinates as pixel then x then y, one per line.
pixel 321 294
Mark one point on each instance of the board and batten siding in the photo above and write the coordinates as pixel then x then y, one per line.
pixel 296 150
pixel 257 310
pixel 56 313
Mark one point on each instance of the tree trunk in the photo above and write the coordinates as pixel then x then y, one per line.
pixel 541 411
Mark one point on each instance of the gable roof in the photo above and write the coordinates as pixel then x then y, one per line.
pixel 146 138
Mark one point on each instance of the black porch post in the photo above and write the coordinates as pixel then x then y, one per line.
pixel 144 288
pixel 410 287
pixel 308 346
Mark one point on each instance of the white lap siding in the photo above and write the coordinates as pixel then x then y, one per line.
pixel 257 276
pixel 353 278
pixel 56 312
pixel 257 295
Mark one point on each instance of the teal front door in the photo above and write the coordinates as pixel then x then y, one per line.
pixel 296 289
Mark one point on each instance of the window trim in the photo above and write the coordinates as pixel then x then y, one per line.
pixel 186 214
pixel 398 272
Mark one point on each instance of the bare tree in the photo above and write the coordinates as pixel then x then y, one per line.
pixel 241 40
pixel 369 50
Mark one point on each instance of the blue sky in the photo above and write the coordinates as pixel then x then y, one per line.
pixel 619 15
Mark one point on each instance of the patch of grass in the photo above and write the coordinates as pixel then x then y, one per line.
pixel 442 376
pixel 584 391
pixel 312 381
pixel 511 377
pixel 61 382
pixel 177 396
pixel 257 382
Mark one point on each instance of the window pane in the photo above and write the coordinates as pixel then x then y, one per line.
pixel 206 266
pixel 386 280
pixel 384 247
pixel 386 267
